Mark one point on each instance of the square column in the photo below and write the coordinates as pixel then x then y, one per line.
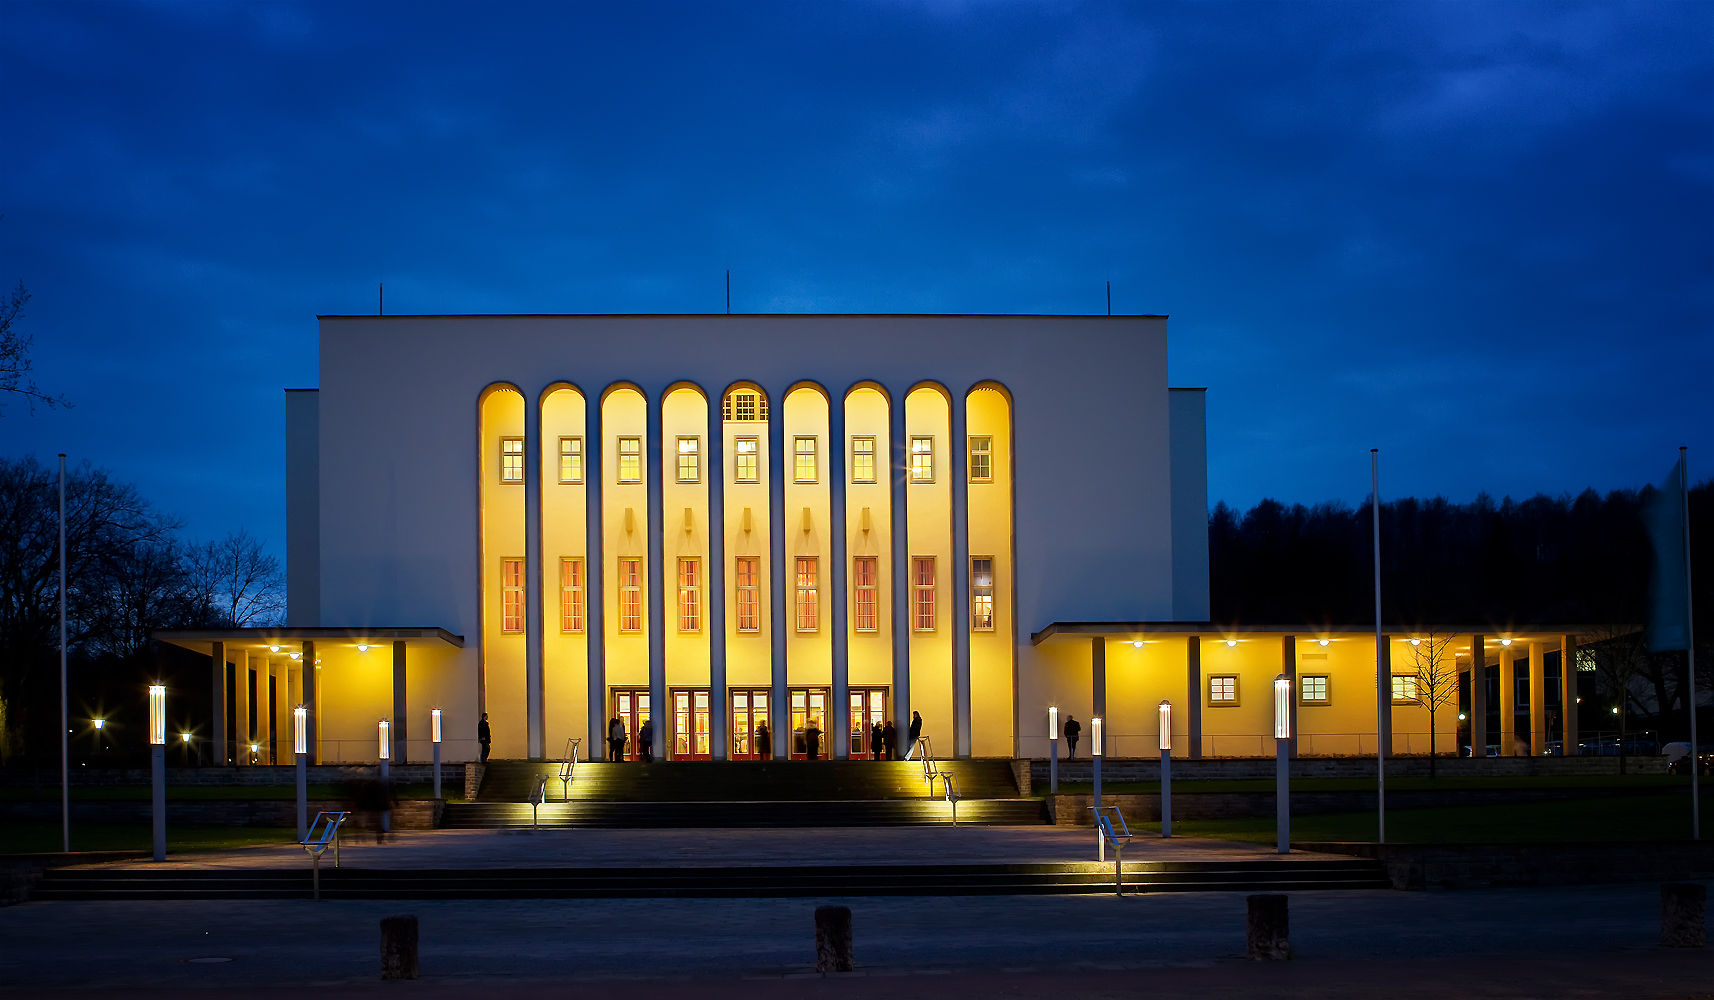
pixel 1478 696
pixel 1538 700
pixel 1193 698
pixel 1508 704
pixel 217 725
pixel 399 703
pixel 1288 666
pixel 1568 694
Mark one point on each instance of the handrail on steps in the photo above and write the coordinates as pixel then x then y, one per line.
pixel 931 772
pixel 538 795
pixel 568 767
pixel 1110 828
pixel 323 833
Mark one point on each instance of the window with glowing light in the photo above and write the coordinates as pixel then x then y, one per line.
pixel 571 595
pixel 630 460
pixel 1404 688
pixel 1312 689
pixel 808 595
pixel 922 596
pixel 689 460
pixel 864 617
pixel 747 572
pixel 511 460
pixel 690 595
pixel 1223 690
pixel 922 459
pixel 863 459
pixel 630 595
pixel 571 461
pixel 746 460
pixel 981 459
pixel 804 453
pixel 982 593
pixel 511 595
pixel 744 405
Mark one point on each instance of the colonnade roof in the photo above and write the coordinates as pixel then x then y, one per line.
pixel 198 639
pixel 1533 632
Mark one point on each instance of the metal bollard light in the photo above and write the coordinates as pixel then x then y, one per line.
pixel 833 939
pixel 1269 928
pixel 398 947
pixel 1683 915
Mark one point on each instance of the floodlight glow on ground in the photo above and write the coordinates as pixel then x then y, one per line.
pixel 1282 707
pixel 300 730
pixel 434 725
pixel 1095 747
pixel 1166 724
pixel 157 715
pixel 384 749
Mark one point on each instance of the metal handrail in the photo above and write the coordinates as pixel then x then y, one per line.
pixel 538 795
pixel 316 844
pixel 568 767
pixel 1110 828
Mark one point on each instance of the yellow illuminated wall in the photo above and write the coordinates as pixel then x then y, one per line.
pixel 748 654
pixel 502 520
pixel 625 530
pixel 988 414
pixel 565 654
pixel 809 655
pixel 871 653
pixel 929 534
pixel 684 416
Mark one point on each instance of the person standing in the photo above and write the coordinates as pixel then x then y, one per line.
pixel 764 741
pixel 615 739
pixel 877 743
pixel 889 740
pixel 1073 729
pixel 916 732
pixel 812 740
pixel 484 736
pixel 646 741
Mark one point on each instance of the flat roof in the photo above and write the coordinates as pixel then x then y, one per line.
pixel 1531 631
pixel 198 639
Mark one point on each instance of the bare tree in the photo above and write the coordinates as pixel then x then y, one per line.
pixel 15 354
pixel 1436 682
pixel 237 581
pixel 1621 659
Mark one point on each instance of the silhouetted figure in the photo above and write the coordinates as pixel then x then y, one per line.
pixel 484 736
pixel 646 741
pixel 812 740
pixel 878 742
pixel 890 740
pixel 764 742
pixel 916 731
pixel 615 739
pixel 1073 729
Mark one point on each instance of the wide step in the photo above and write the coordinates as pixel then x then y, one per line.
pixel 679 815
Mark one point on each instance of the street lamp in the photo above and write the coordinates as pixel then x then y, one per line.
pixel 158 764
pixel 1282 763
pixel 1053 749
pixel 434 735
pixel 1166 767
pixel 386 752
pixel 300 750
pixel 1095 754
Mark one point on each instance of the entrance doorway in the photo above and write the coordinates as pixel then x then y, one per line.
pixel 631 707
pixel 690 724
pixel 749 710
pixel 868 710
pixel 809 706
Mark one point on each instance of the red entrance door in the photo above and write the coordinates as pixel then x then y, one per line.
pixel 690 724
pixel 749 714
pixel 868 710
pixel 631 708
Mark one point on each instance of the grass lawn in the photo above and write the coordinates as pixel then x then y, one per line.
pixel 37 838
pixel 1662 781
pixel 1643 817
pixel 193 793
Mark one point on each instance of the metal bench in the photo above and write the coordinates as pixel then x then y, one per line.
pixel 1111 829
pixel 323 834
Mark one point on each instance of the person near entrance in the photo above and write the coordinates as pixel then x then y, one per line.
pixel 615 739
pixel 646 741
pixel 877 742
pixel 889 740
pixel 764 741
pixel 484 736
pixel 1073 729
pixel 812 740
pixel 916 732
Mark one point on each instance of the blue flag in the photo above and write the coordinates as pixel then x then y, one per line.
pixel 1669 593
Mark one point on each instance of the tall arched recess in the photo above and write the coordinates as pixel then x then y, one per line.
pixel 685 560
pixel 565 606
pixel 992 592
pixel 806 553
pixel 930 570
pixel 869 563
pixel 501 478
pixel 748 461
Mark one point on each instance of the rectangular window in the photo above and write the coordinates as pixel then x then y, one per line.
pixel 922 586
pixel 862 459
pixel 746 460
pixel 922 460
pixel 981 459
pixel 863 617
pixel 630 460
pixel 511 460
pixel 1312 689
pixel 689 595
pixel 571 461
pixel 571 595
pixel 511 595
pixel 630 595
pixel 808 603
pixel 1404 688
pixel 1223 690
pixel 748 573
pixel 804 450
pixel 689 460
pixel 982 593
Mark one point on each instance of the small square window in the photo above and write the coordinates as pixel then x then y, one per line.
pixel 804 451
pixel 1404 689
pixel 862 459
pixel 1223 690
pixel 981 459
pixel 746 460
pixel 511 460
pixel 1313 689
pixel 689 460
pixel 630 460
pixel 922 459
pixel 571 461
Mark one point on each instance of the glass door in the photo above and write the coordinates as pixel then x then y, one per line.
pixel 631 708
pixel 690 724
pixel 750 718
pixel 809 723
pixel 868 710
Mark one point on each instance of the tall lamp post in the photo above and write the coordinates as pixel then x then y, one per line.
pixel 158 763
pixel 1166 768
pixel 1095 754
pixel 300 750
pixel 434 734
pixel 386 752
pixel 1282 763
pixel 1053 749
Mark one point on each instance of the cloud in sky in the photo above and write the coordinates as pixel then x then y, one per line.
pixel 1477 236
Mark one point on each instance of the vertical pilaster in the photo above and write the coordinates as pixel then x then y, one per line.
pixel 1568 694
pixel 1538 700
pixel 246 681
pixel 838 577
pixel 594 581
pixel 535 711
pixel 401 715
pixel 779 712
pixel 720 727
pixel 310 683
pixel 902 623
pixel 659 711
pixel 1478 696
pixel 1098 678
pixel 1508 704
pixel 959 449
pixel 1288 666
pixel 1193 694
pixel 217 725
pixel 1384 722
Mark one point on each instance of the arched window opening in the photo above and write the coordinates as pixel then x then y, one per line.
pixel 744 406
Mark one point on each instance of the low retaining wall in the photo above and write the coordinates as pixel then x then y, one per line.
pixel 233 777
pixel 1073 810
pixel 1149 769
pixel 1463 866
pixel 408 814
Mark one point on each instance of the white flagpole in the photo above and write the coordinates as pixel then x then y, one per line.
pixel 65 743
pixel 1381 692
pixel 1690 648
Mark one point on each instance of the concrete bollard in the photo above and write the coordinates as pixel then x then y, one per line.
pixel 833 939
pixel 1683 915
pixel 398 947
pixel 1269 928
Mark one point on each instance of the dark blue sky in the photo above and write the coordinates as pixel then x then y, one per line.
pixel 1477 236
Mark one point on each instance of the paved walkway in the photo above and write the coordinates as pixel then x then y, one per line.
pixel 697 848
